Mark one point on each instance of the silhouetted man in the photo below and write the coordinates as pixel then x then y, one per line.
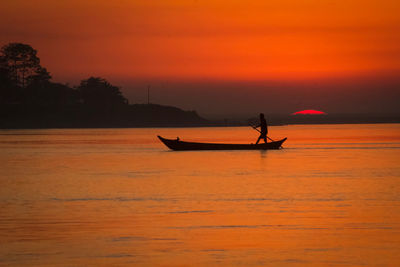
pixel 264 128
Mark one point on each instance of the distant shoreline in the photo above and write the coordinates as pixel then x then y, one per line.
pixel 19 116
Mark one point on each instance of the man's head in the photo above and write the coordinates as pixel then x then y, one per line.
pixel 261 115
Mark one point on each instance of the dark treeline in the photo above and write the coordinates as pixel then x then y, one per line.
pixel 29 99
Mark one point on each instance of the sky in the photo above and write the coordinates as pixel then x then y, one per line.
pixel 221 57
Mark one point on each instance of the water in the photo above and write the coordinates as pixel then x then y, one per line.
pixel 118 197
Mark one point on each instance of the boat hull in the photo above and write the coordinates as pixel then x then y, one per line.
pixel 178 145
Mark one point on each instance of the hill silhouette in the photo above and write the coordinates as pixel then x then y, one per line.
pixel 77 116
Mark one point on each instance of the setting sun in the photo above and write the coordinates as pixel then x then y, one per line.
pixel 309 112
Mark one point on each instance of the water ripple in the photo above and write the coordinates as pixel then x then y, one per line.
pixel 190 211
pixel 122 199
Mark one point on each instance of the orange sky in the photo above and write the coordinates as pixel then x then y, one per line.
pixel 245 40
pixel 215 56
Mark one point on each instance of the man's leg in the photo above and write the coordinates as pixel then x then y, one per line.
pixel 258 140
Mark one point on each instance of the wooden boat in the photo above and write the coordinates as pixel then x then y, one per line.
pixel 176 144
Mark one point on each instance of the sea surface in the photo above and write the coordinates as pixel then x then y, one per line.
pixel 119 197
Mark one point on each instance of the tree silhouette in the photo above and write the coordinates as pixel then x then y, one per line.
pixel 22 64
pixel 52 94
pixel 8 91
pixel 98 93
